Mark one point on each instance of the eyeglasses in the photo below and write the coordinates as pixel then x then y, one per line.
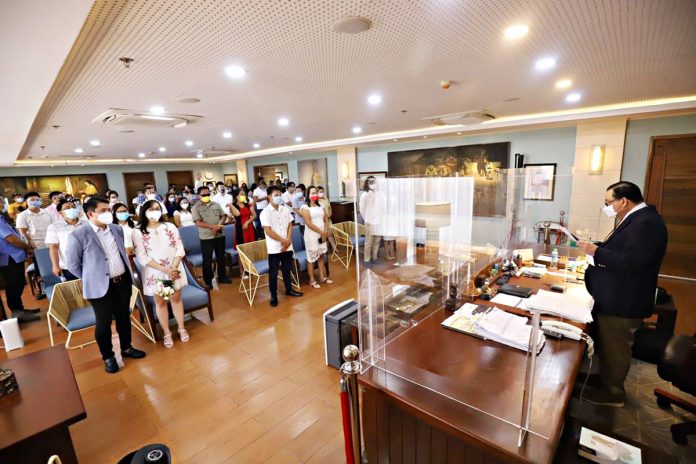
pixel 607 203
pixel 205 194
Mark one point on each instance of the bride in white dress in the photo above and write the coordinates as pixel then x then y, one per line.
pixel 315 236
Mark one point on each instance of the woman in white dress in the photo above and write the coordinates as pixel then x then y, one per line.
pixel 315 236
pixel 159 251
pixel 183 216
pixel 123 218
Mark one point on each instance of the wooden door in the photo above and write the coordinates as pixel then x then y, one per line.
pixel 179 178
pixel 134 181
pixel 670 185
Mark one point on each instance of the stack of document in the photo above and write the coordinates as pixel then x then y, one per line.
pixel 576 306
pixel 494 324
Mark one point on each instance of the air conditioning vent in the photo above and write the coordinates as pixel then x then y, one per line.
pixel 143 119
pixel 466 118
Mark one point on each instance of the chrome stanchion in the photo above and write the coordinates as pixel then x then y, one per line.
pixel 349 379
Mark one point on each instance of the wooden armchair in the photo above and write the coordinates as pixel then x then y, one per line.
pixel 253 262
pixel 344 234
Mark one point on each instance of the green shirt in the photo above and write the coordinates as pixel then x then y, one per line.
pixel 210 213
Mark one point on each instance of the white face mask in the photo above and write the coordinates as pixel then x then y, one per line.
pixel 184 205
pixel 609 211
pixel 150 196
pixel 105 217
pixel 154 215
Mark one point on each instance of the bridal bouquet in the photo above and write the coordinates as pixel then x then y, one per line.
pixel 165 289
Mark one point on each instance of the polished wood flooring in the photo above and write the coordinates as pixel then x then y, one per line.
pixel 250 387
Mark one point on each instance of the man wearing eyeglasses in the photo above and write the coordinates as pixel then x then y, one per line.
pixel 209 217
pixel 622 282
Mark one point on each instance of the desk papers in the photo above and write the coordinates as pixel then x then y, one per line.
pixel 576 304
pixel 506 300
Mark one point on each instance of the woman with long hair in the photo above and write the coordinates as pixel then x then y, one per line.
pixel 245 217
pixel 326 204
pixel 159 251
pixel 315 236
pixel 123 218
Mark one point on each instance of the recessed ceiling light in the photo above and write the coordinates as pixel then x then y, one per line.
pixel 459 133
pixel 573 97
pixel 374 99
pixel 235 71
pixel 396 140
pixel 141 155
pixel 283 121
pixel 515 32
pixel 545 64
pixel 79 150
pixel 162 149
pixel 227 135
pixel 199 155
pixel 189 143
pixel 357 129
pixel 94 143
pixel 298 139
pixel 157 110
pixel 256 145
pixel 425 136
pixel 563 83
pixel 352 25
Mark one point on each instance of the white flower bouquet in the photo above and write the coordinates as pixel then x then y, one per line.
pixel 165 289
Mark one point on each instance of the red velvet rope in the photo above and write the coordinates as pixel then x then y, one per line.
pixel 347 431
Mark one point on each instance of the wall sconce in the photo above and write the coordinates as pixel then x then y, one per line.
pixel 345 169
pixel 597 159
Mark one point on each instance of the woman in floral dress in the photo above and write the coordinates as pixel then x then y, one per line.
pixel 159 251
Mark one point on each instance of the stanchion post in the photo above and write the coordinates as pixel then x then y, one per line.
pixel 349 375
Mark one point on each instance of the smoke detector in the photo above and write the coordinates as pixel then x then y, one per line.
pixel 352 25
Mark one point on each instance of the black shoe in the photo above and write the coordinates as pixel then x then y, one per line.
pixel 110 365
pixel 31 310
pixel 23 316
pixel 274 301
pixel 40 296
pixel 225 281
pixel 133 353
pixel 209 284
pixel 293 293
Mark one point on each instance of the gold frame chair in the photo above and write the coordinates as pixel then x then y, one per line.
pixel 68 296
pixel 248 253
pixel 342 233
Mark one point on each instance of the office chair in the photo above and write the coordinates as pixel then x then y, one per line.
pixel 678 366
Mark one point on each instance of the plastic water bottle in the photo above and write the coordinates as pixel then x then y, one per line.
pixel 554 259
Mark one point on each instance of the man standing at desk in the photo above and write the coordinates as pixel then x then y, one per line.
pixel 622 282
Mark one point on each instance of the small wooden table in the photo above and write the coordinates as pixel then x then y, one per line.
pixel 34 419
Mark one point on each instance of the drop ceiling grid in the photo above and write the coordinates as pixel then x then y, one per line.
pixel 320 79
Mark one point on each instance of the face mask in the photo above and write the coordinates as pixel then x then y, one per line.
pixel 113 201
pixel 321 194
pixel 241 199
pixel 221 190
pixel 609 211
pixel 19 200
pixel 183 205
pixel 150 196
pixel 277 200
pixel 205 199
pixel 299 194
pixel 372 186
pixel 71 213
pixel 122 216
pixel 35 203
pixel 313 197
pixel 105 217
pixel 172 199
pixel 153 215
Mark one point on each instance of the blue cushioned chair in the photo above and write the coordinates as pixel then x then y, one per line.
pixel 230 251
pixel 43 260
pixel 195 295
pixel 32 278
pixel 192 245
pixel 301 253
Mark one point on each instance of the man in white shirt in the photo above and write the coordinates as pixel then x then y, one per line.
pixel 296 203
pixel 57 237
pixel 289 194
pixel 33 222
pixel 223 198
pixel 277 225
pixel 151 194
pixel 52 209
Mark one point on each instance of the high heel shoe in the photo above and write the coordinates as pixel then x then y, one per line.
pixel 183 334
pixel 314 285
pixel 168 341
pixel 327 281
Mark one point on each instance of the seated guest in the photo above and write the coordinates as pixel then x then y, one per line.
pixel 277 226
pixel 159 250
pixel 52 209
pixel 57 237
pixel 183 216
pixel 96 255
pixel 315 236
pixel 245 216
pixel 13 254
pixel 123 218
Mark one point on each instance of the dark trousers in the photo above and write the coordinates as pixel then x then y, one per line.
pixel 114 305
pixel 217 245
pixel 68 275
pixel 14 283
pixel 614 349
pixel 257 225
pixel 284 261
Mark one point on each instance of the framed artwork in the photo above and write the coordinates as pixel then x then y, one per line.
pixel 313 172
pixel 76 185
pixel 279 176
pixel 364 175
pixel 539 181
pixel 485 162
pixel 229 179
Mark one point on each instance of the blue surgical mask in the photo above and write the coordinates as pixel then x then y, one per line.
pixel 299 194
pixel 122 215
pixel 35 203
pixel 278 200
pixel 71 213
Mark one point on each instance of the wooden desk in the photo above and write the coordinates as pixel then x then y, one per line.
pixel 34 419
pixel 403 421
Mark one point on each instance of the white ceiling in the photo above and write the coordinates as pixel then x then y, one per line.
pixel 615 52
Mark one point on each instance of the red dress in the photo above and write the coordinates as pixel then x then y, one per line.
pixel 244 236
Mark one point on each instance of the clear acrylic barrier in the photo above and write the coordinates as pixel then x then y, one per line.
pixel 437 248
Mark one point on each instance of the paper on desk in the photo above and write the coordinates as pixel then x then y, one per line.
pixel 507 300
pixel 575 305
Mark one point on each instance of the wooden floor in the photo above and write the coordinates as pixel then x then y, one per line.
pixel 250 387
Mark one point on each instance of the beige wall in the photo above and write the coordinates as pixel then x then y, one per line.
pixel 587 195
pixel 346 159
